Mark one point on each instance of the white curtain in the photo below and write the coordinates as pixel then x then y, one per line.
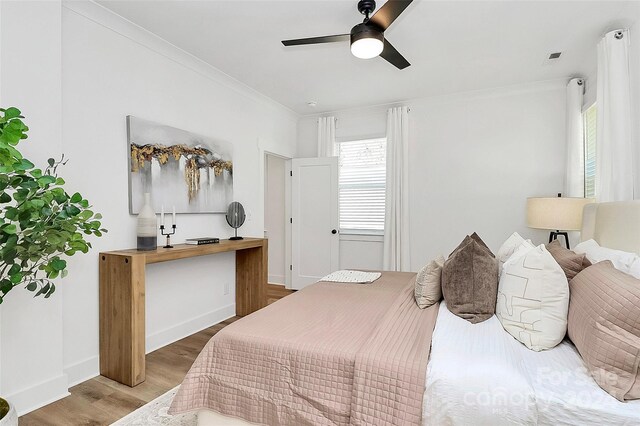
pixel 574 179
pixel 396 222
pixel 614 150
pixel 326 136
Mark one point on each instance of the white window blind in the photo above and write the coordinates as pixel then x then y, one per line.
pixel 362 185
pixel 590 120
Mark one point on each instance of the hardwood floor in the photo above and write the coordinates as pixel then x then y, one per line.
pixel 101 401
pixel 276 292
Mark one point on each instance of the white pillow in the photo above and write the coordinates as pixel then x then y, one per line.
pixel 510 246
pixel 428 289
pixel 624 261
pixel 533 298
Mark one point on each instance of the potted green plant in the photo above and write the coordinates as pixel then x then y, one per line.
pixel 40 223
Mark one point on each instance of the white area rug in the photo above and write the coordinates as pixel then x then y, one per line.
pixel 155 413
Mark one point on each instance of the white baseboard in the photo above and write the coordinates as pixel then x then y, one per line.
pixel 83 370
pixel 34 397
pixel 276 279
pixel 39 395
pixel 189 327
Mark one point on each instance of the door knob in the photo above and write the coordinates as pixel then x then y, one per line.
pixel 333 231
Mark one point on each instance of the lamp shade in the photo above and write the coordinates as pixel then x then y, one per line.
pixel 559 213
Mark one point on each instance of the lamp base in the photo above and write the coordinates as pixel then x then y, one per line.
pixel 553 235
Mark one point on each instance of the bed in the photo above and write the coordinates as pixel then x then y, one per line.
pixel 475 374
pixel 330 354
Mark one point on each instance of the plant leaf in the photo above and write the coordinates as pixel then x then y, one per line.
pixel 58 264
pixel 9 229
pixel 76 198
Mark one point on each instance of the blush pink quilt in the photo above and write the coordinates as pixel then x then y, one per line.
pixel 330 354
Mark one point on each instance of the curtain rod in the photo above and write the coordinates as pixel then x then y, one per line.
pixel 336 118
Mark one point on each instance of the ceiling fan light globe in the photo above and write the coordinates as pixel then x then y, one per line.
pixel 367 48
pixel 366 41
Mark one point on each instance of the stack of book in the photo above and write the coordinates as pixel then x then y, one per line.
pixel 201 241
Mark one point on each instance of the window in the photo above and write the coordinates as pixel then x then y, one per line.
pixel 362 166
pixel 590 119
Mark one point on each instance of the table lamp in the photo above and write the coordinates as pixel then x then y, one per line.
pixel 558 214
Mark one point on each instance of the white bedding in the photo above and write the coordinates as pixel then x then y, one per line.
pixel 480 375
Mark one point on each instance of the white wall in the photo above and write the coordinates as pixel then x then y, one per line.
pixel 109 69
pixel 274 219
pixel 474 159
pixel 31 355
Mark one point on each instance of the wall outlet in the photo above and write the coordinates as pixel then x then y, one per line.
pixel 227 288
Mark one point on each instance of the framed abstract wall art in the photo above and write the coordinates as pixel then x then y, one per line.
pixel 191 172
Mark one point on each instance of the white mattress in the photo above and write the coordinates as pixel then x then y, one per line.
pixel 480 375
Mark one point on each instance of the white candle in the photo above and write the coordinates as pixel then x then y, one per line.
pixel 162 216
pixel 174 215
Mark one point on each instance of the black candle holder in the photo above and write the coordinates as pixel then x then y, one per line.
pixel 168 235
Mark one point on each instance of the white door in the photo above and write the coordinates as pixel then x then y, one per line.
pixel 314 215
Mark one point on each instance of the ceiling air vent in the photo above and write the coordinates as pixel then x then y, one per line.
pixel 555 55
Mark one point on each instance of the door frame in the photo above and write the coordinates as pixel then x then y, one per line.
pixel 287 205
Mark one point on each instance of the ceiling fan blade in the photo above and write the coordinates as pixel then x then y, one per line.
pixel 316 40
pixel 391 55
pixel 388 13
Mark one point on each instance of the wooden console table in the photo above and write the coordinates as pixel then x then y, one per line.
pixel 122 298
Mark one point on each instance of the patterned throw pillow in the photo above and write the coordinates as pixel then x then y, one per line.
pixel 470 280
pixel 428 290
pixel 533 298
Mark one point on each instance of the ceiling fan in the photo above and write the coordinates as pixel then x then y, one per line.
pixel 367 39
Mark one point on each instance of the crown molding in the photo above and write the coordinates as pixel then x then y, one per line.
pixel 488 93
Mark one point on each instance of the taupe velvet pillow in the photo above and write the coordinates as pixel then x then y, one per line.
pixel 604 325
pixel 470 280
pixel 475 237
pixel 570 262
